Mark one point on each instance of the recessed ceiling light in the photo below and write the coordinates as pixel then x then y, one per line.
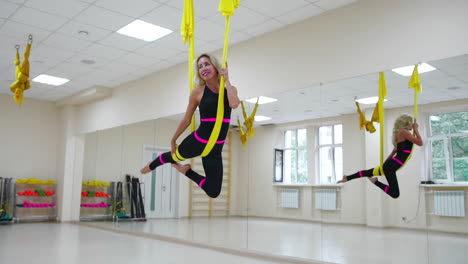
pixel 408 70
pixel 259 118
pixel 261 100
pixel 83 32
pixel 88 61
pixel 143 30
pixel 51 80
pixel 369 100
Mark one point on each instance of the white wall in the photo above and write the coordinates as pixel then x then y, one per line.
pixel 29 139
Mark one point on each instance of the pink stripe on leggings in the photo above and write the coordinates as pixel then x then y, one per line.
pixel 386 189
pixel 225 120
pixel 395 159
pixel 407 151
pixel 204 140
pixel 160 159
pixel 202 182
pixel 360 173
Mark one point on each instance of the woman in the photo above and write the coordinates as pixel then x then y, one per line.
pixel 403 142
pixel 204 96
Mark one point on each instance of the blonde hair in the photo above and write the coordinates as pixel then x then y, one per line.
pixel 404 121
pixel 197 79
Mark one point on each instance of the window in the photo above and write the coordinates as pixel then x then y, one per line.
pixel 449 147
pixel 295 156
pixel 330 153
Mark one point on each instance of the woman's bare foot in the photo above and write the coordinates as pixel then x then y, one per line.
pixel 343 180
pixel 181 168
pixel 373 179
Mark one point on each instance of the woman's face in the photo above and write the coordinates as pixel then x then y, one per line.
pixel 206 70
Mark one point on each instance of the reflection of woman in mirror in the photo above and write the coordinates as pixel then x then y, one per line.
pixel 403 142
pixel 204 96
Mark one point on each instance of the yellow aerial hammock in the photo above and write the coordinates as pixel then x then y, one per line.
pixel 380 104
pixel 22 74
pixel 226 7
pixel 379 116
pixel 415 83
pixel 187 28
pixel 363 122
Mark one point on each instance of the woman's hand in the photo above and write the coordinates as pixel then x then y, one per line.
pixel 225 73
pixel 146 169
pixel 415 126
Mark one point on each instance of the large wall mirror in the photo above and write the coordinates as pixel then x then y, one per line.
pixel 315 132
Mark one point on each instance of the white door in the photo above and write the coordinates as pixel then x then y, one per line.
pixel 161 186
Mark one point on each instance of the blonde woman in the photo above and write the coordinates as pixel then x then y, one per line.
pixel 403 141
pixel 205 97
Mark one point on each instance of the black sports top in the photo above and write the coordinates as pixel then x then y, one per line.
pixel 208 109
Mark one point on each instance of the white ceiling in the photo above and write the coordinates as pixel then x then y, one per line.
pixel 448 82
pixel 59 49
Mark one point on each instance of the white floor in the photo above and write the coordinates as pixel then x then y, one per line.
pixel 329 243
pixel 31 243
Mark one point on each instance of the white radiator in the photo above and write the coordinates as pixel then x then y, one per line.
pixel 289 198
pixel 449 203
pixel 325 199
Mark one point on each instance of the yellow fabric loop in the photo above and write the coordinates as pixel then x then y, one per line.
pixel 22 76
pixel 177 157
pixel 174 157
pixel 382 95
pixel 226 7
pixel 377 171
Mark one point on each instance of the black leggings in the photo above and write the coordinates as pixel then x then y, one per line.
pixel 212 164
pixel 390 167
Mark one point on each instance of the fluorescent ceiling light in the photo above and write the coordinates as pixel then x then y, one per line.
pixel 259 118
pixel 143 30
pixel 261 100
pixel 408 70
pixel 51 80
pixel 369 100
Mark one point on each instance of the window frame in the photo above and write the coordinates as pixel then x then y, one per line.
pixel 333 146
pixel 448 149
pixel 296 149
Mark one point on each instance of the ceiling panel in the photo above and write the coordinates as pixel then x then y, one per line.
pixel 103 18
pixel 60 8
pixel 33 17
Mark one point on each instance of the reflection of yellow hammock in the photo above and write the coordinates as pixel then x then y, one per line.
pixel 22 74
pixel 248 122
pixel 226 8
